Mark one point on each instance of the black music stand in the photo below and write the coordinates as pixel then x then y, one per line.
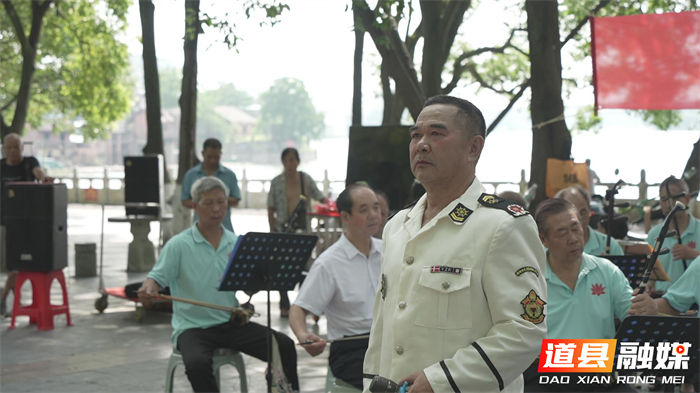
pixel 632 266
pixel 656 329
pixel 267 262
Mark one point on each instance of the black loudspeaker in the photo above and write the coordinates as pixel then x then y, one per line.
pixel 379 156
pixel 143 183
pixel 36 226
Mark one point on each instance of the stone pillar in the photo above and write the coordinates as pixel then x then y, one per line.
pixel 142 254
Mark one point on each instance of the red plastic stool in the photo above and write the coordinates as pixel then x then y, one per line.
pixel 40 311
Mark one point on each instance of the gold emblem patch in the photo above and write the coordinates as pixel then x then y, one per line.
pixel 460 214
pixel 534 308
pixel 526 269
pixel 489 199
pixel 10 193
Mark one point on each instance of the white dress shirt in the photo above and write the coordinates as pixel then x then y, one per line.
pixel 342 284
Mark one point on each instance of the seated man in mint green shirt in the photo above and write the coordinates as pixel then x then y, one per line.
pixel 594 241
pixel 585 293
pixel 683 293
pixel 192 264
pixel 681 255
pixel 211 166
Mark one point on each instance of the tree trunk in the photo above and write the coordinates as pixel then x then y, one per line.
pixel 29 49
pixel 387 96
pixel 357 64
pixel 188 99
pixel 691 173
pixel 440 21
pixel 397 59
pixel 154 143
pixel 552 140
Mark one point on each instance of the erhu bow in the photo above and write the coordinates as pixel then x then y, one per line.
pixel 658 250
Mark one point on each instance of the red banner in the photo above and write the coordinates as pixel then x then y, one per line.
pixel 649 61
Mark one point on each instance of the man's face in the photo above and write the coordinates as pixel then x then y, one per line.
pixel 211 157
pixel 384 213
pixel 13 149
pixel 583 208
pixel 667 203
pixel 564 236
pixel 440 150
pixel 211 207
pixel 366 214
pixel 290 163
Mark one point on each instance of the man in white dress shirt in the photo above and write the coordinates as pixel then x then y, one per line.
pixel 342 284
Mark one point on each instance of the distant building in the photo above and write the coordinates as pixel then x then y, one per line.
pixel 129 138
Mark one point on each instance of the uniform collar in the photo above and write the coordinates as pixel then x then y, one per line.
pixel 470 199
pixel 351 251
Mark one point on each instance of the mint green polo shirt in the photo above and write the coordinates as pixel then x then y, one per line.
pixel 597 241
pixel 686 291
pixel 588 312
pixel 225 175
pixel 193 269
pixel 674 269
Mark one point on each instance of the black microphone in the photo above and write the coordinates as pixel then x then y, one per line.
pixel 384 385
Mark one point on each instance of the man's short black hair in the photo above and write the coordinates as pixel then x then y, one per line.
pixel 468 113
pixel 212 143
pixel 673 181
pixel 290 150
pixel 549 208
pixel 344 201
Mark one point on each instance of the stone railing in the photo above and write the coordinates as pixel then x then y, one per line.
pixel 89 187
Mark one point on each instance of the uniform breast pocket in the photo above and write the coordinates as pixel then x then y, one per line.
pixel 444 300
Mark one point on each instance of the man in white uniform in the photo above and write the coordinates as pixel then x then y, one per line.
pixel 462 292
pixel 342 283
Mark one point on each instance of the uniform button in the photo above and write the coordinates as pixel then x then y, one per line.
pixel 399 350
pixel 409 260
pixel 445 285
pixel 402 305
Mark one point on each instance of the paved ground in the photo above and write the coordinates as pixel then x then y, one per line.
pixel 111 352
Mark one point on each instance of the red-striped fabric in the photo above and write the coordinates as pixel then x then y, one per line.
pixel 647 61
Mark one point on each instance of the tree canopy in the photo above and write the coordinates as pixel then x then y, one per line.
pixel 287 112
pixel 79 69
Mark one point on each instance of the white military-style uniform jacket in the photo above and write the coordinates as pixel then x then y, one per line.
pixel 461 298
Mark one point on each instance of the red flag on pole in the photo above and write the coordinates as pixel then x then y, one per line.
pixel 647 61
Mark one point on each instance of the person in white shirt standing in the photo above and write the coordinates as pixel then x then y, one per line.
pixel 342 284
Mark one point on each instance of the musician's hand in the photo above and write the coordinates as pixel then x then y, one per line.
pixel 417 382
pixel 148 291
pixel 642 304
pixel 682 251
pixel 48 179
pixel 650 288
pixel 314 349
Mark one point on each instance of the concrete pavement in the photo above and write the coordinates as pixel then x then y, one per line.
pixel 112 352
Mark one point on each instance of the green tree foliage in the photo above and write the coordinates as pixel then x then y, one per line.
pixel 209 122
pixel 287 112
pixel 170 84
pixel 81 65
